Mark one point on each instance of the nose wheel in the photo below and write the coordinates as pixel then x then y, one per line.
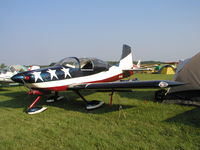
pixel 36 110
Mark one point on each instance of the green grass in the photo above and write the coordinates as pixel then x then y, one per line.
pixel 141 123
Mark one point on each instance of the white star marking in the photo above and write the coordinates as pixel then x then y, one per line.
pixel 66 71
pixel 37 76
pixel 52 73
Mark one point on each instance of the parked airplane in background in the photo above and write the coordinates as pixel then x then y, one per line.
pixel 139 68
pixel 33 67
pixel 7 72
pixel 85 73
pixel 135 67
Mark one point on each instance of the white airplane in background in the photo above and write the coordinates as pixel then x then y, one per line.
pixel 9 71
pixel 135 67
pixel 33 67
pixel 139 68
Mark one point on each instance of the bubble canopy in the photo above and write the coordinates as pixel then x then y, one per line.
pixel 83 63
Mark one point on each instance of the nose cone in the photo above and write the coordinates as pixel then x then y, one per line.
pixel 18 78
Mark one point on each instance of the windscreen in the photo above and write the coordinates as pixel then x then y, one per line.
pixel 70 62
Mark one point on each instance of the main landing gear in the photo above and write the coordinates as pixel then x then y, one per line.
pixel 32 109
pixel 91 104
pixel 54 98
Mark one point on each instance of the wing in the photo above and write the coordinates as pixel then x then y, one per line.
pixel 127 84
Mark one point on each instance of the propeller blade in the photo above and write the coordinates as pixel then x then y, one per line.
pixel 26 85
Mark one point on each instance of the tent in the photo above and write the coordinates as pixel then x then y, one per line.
pixel 187 72
pixel 167 69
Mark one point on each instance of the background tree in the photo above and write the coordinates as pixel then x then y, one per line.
pixel 2 65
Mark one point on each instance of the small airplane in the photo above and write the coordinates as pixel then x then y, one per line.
pixel 33 67
pixel 137 66
pixel 7 72
pixel 77 74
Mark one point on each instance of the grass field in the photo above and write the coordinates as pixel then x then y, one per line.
pixel 134 122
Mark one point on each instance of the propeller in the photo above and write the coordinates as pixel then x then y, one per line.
pixel 26 85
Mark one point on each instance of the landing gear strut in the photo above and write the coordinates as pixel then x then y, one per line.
pixel 34 110
pixel 54 98
pixel 92 104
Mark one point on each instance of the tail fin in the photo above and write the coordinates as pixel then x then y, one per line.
pixel 126 61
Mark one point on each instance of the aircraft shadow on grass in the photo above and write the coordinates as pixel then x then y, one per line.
pixel 190 117
pixel 70 102
pixel 1 89
pixel 139 95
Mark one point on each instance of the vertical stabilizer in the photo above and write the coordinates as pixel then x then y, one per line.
pixel 126 61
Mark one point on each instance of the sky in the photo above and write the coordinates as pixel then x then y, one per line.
pixel 45 31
